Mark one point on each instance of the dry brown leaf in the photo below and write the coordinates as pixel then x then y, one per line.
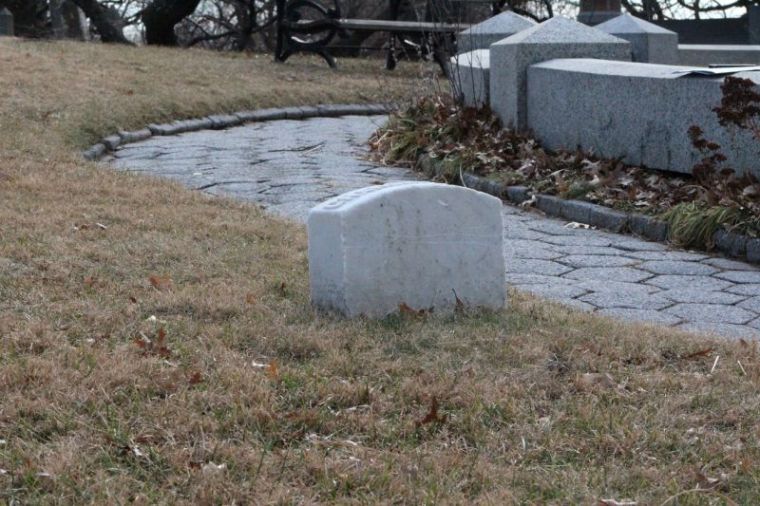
pixel 161 283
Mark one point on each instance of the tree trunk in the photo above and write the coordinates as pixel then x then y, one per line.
pixel 160 17
pixel 108 31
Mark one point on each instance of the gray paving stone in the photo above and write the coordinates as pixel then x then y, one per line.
pixel 685 256
pixel 711 313
pixel 750 289
pixel 577 304
pixel 592 250
pixel 740 276
pixel 588 239
pixel 677 267
pixel 607 286
pixel 751 304
pixel 607 300
pixel 596 261
pixel 729 265
pixel 701 296
pixel 722 331
pixel 543 267
pixel 626 274
pixel 530 279
pixel 641 315
pixel 638 245
pixel 515 231
pixel 554 227
pixel 536 253
pixel 703 283
pixel 553 291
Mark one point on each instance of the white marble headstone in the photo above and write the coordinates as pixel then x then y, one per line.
pixel 419 244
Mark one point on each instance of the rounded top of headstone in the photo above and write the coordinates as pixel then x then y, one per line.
pixel 366 196
pixel 4 11
pixel 561 30
pixel 627 24
pixel 506 22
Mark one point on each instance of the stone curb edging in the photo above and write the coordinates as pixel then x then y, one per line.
pixel 731 244
pixel 222 121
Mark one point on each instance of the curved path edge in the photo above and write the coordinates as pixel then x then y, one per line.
pixel 222 121
pixel 731 244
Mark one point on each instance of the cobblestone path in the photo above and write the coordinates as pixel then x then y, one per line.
pixel 289 166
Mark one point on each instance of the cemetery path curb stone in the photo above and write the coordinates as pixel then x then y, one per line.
pixel 288 166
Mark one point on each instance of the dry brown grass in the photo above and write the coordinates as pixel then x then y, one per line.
pixel 250 396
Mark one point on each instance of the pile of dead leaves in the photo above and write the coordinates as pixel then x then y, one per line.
pixel 436 130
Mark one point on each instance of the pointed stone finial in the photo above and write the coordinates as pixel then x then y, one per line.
pixel 494 29
pixel 555 38
pixel 650 43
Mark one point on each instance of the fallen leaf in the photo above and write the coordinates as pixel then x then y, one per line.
pixel 432 416
pixel 250 299
pixel 273 371
pixel 161 283
pixel 89 281
pixel 698 354
pixel 195 378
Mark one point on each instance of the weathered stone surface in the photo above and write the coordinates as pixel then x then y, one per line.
pixel 608 286
pixel 373 249
pixel 677 267
pixel 263 115
pixel 557 37
pixel 494 29
pixel 750 289
pixel 222 121
pixel 518 194
pixel 635 111
pixel 134 136
pixel 470 77
pixel 549 204
pixel 544 267
pixel 712 313
pixel 649 43
pixel 729 265
pixel 95 152
pixel 112 142
pixel 684 256
pixel 597 261
pixel 647 226
pixel 553 291
pixel 641 315
pixel 740 276
pixel 700 283
pixel 626 274
pixel 751 304
pixel 731 243
pixel 721 330
pixel 701 297
pixel 753 250
pixel 626 300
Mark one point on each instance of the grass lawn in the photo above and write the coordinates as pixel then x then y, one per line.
pixel 157 345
